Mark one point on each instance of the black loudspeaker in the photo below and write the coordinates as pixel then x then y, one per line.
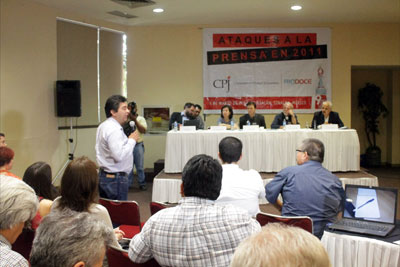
pixel 68 98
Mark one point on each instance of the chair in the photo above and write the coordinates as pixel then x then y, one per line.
pixel 156 206
pixel 23 244
pixel 304 222
pixel 119 257
pixel 125 213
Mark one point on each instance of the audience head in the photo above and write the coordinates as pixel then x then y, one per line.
pixel 79 185
pixel 197 110
pixel 189 110
pixel 279 245
pixel 326 108
pixel 2 140
pixel 287 106
pixel 310 149
pixel 230 149
pixel 201 177
pixel 117 108
pixel 38 176
pixel 251 108
pixel 6 158
pixel 132 106
pixel 18 205
pixel 69 238
pixel 227 111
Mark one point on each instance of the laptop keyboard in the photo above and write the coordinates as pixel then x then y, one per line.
pixel 364 225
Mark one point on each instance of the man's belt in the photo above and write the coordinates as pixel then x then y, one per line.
pixel 111 174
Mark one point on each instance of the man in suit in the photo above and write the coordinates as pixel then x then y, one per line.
pixel 180 117
pixel 252 117
pixel 326 116
pixel 286 116
pixel 197 116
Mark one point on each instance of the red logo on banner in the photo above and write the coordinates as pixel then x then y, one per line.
pixel 299 102
pixel 263 39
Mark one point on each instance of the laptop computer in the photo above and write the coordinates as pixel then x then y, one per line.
pixel 192 123
pixel 368 210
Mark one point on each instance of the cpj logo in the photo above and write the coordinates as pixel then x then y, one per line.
pixel 222 83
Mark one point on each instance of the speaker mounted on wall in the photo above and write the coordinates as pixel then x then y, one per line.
pixel 68 93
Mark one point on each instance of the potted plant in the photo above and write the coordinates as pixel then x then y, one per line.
pixel 371 106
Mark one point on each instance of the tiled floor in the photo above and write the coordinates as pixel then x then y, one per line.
pixel 388 177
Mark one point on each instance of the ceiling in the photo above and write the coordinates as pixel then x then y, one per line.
pixel 223 12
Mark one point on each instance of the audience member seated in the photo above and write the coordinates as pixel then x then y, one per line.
pixel 226 118
pixel 239 188
pixel 279 245
pixel 2 140
pixel 287 116
pixel 79 192
pixel 6 162
pixel 251 118
pixel 18 206
pixel 196 115
pixel 308 189
pixel 326 116
pixel 180 117
pixel 196 232
pixel 68 238
pixel 38 176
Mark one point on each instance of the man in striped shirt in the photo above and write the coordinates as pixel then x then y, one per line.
pixel 196 232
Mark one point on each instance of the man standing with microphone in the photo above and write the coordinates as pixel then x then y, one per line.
pixel 114 150
pixel 137 122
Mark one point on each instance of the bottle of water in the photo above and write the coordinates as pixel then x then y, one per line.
pixel 232 125
pixel 284 123
pixel 248 122
pixel 175 126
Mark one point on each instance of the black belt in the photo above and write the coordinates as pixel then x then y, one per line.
pixel 112 173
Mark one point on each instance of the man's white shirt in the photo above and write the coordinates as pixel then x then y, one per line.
pixel 113 148
pixel 241 188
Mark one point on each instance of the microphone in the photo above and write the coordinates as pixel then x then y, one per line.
pixel 132 124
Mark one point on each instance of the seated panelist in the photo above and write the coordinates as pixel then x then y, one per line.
pixel 251 118
pixel 226 118
pixel 287 116
pixel 326 116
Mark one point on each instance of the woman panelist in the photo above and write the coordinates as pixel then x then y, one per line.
pixel 226 118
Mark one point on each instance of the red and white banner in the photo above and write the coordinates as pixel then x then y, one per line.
pixel 267 66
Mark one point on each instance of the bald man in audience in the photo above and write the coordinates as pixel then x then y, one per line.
pixel 279 245
pixel 286 117
pixel 18 206
pixel 308 189
pixel 326 116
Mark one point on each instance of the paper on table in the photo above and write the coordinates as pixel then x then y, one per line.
pixel 371 207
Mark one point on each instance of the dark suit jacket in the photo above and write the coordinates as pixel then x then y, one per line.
pixel 258 119
pixel 175 117
pixel 279 118
pixel 333 118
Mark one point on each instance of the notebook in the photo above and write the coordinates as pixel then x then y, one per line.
pixel 368 210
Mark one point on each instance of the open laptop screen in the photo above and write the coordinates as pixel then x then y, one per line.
pixel 370 204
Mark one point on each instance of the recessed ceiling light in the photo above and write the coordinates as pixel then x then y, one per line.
pixel 296 7
pixel 158 10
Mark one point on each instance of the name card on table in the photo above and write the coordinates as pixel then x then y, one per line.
pixel 292 127
pixel 251 128
pixel 329 127
pixel 188 128
pixel 218 128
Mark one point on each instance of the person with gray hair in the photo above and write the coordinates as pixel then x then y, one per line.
pixel 326 116
pixel 18 205
pixel 70 238
pixel 287 116
pixel 308 189
pixel 280 245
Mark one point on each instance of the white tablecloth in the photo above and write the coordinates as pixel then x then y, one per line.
pixel 354 251
pixel 266 150
pixel 168 190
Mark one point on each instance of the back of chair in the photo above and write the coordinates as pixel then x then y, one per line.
pixel 303 222
pixel 122 212
pixel 156 206
pixel 119 258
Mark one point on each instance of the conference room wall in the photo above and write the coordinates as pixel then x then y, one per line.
pixel 165 67
pixel 28 71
